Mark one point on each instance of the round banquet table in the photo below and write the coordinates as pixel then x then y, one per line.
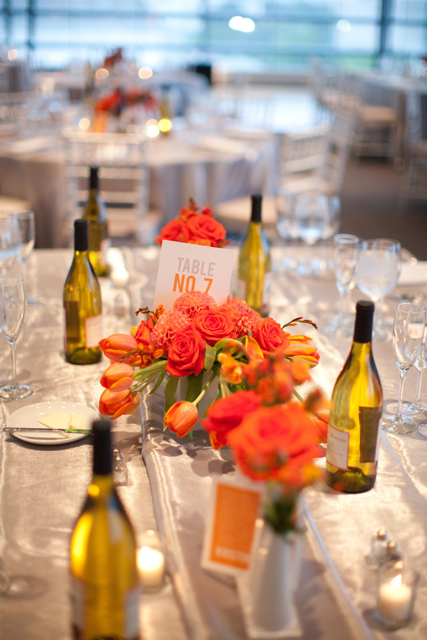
pixel 42 487
pixel 209 167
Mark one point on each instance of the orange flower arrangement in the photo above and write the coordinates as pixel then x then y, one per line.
pixel 197 336
pixel 194 228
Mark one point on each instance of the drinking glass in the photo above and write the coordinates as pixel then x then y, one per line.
pixel 417 406
pixel 408 336
pixel 377 274
pixel 312 217
pixel 12 309
pixel 9 242
pixel 346 253
pixel 286 227
pixel 27 230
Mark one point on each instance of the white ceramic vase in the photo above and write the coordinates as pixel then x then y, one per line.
pixel 273 579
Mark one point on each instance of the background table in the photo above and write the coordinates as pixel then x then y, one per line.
pixel 42 489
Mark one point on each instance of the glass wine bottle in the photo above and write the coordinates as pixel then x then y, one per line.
pixel 254 271
pixel 82 304
pixel 104 577
pixel 96 214
pixel 356 408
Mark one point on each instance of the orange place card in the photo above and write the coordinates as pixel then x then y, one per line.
pixel 230 529
pixel 185 268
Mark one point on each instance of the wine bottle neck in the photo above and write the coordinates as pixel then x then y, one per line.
pixel 101 486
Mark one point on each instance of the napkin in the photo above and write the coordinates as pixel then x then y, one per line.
pixel 413 273
pixel 31 145
pixel 223 145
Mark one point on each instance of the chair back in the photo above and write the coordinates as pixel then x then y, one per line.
pixel 337 150
pixel 301 153
pixel 123 174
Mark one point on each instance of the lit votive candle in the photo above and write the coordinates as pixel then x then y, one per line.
pixel 151 568
pixel 396 595
pixel 120 276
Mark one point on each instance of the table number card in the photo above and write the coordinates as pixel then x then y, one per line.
pixel 231 531
pixel 185 268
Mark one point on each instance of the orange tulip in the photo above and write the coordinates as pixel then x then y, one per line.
pixel 231 370
pixel 253 349
pixel 300 347
pixel 117 377
pixel 118 346
pixel 116 404
pixel 181 418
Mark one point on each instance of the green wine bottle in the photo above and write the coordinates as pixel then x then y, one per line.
pixel 82 304
pixel 356 408
pixel 104 577
pixel 254 271
pixel 96 214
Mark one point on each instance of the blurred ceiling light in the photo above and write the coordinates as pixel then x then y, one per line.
pixel 13 54
pixel 344 26
pixel 152 128
pixel 84 124
pixel 145 73
pixel 246 25
pixel 165 125
pixel 102 74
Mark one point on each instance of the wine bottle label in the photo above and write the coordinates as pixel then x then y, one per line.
pixel 131 613
pixel 369 418
pixel 337 448
pixel 266 293
pixel 93 331
pixel 77 592
pixel 104 246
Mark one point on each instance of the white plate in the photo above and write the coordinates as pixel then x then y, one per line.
pixel 28 417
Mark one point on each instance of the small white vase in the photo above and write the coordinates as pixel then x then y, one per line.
pixel 273 579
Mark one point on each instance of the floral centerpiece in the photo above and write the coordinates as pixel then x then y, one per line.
pixel 115 102
pixel 193 227
pixel 196 336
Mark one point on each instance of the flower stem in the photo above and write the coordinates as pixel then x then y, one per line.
pixel 208 384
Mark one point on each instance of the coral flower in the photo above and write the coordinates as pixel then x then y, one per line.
pixel 181 418
pixel 231 370
pixel 117 377
pixel 191 303
pixel 167 328
pixel 116 404
pixel 118 348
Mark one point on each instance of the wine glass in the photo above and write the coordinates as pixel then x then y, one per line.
pixel 9 242
pixel 27 230
pixel 417 406
pixel 312 218
pixel 12 309
pixel 286 227
pixel 377 274
pixel 408 336
pixel 346 253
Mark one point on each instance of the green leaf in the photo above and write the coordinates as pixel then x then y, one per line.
pixel 195 386
pixel 158 382
pixel 170 392
pixel 210 355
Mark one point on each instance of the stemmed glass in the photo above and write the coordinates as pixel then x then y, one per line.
pixel 377 274
pixel 417 406
pixel 12 309
pixel 312 217
pixel 27 230
pixel 9 242
pixel 408 336
pixel 346 253
pixel 286 227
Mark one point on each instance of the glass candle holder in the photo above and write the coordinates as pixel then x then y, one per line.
pixel 151 561
pixel 396 594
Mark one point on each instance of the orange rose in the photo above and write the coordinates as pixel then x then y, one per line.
pixel 214 325
pixel 117 377
pixel 272 439
pixel 118 404
pixel 176 231
pixel 118 346
pixel 227 413
pixel 204 227
pixel 270 335
pixel 186 354
pixel 181 418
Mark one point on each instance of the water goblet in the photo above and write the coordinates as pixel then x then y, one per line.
pixel 377 274
pixel 12 310
pixel 27 230
pixel 346 253
pixel 312 217
pixel 408 336
pixel 9 242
